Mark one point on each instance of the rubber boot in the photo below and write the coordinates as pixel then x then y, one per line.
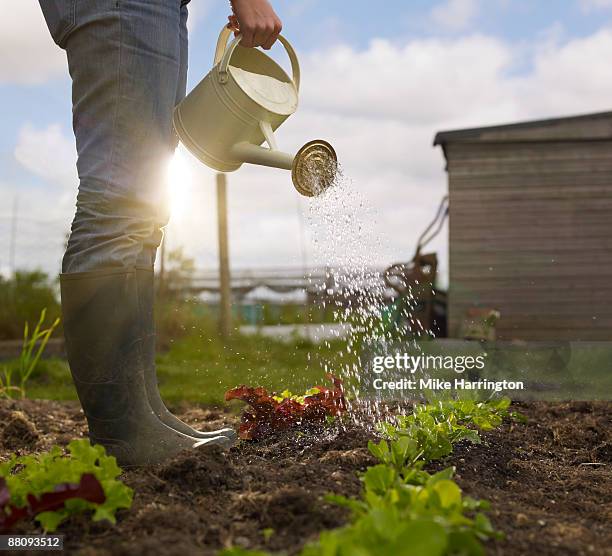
pixel 104 344
pixel 146 294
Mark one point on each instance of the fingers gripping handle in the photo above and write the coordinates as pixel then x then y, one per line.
pixel 223 54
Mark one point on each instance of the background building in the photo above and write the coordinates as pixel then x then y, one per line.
pixel 530 226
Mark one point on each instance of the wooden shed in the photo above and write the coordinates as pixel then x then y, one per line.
pixel 530 226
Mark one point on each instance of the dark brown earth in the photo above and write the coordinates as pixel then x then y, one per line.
pixel 549 482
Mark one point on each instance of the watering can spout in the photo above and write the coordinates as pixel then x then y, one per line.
pixel 313 167
pixel 254 154
pixel 244 98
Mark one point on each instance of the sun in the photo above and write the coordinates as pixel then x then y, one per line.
pixel 180 180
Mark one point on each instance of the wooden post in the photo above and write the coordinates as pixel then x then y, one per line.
pixel 225 307
pixel 161 283
pixel 12 241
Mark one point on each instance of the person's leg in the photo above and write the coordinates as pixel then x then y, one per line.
pixel 124 59
pixel 146 279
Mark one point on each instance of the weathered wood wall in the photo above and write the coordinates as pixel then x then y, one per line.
pixel 530 229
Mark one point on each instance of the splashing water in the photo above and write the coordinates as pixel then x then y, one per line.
pixel 342 225
pixel 381 309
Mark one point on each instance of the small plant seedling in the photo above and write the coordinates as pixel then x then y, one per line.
pixel 52 486
pixel 34 345
pixel 267 534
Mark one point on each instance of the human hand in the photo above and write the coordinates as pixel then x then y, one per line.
pixel 256 21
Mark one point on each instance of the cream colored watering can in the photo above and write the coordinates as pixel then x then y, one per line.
pixel 238 105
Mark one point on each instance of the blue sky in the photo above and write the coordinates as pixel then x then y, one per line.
pixel 365 90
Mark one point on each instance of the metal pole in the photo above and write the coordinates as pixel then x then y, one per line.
pixel 225 307
pixel 13 236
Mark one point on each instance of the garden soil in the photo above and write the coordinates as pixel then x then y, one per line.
pixel 549 482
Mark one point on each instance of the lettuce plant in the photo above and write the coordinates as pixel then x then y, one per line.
pixel 52 486
pixel 270 413
pixel 404 510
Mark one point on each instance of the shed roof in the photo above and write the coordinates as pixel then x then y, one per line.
pixel 596 126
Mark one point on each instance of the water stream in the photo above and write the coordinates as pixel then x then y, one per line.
pixel 342 225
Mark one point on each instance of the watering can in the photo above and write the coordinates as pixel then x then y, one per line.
pixel 244 98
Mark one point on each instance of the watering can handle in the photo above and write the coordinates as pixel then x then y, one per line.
pixel 224 52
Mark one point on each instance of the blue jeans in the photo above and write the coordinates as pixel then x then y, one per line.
pixel 128 63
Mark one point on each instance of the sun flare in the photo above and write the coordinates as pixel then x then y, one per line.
pixel 180 181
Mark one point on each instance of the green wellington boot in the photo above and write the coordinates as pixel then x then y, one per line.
pixel 104 344
pixel 146 293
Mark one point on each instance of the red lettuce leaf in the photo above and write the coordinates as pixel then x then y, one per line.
pixel 266 415
pixel 5 495
pixel 89 489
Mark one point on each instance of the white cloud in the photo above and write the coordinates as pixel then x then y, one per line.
pixel 298 7
pixel 197 12
pixel 419 81
pixel 569 78
pixel 43 219
pixel 455 14
pixel 590 5
pixel 28 55
pixel 48 153
pixel 380 107
pixel 44 213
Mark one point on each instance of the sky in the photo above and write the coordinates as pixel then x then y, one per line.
pixel 378 81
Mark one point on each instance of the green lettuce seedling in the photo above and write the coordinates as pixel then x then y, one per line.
pixel 34 475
